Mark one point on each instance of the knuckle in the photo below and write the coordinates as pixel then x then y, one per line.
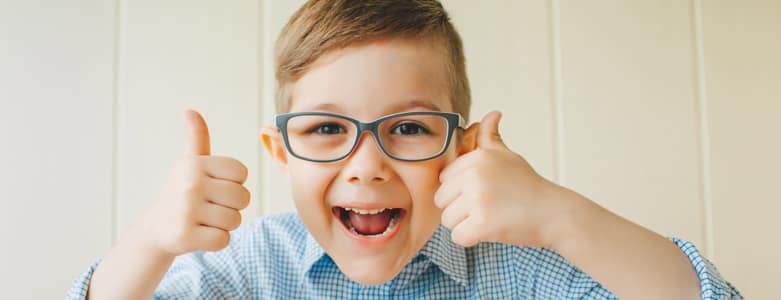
pixel 242 169
pixel 220 241
pixel 245 198
pixel 233 163
pixel 457 237
pixel 189 213
pixel 445 219
pixel 234 220
pixel 439 195
pixel 231 221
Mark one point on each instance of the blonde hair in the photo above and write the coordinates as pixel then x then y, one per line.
pixel 320 26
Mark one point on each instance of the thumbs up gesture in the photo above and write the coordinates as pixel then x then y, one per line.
pixel 491 194
pixel 200 204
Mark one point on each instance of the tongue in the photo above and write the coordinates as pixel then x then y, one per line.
pixel 370 224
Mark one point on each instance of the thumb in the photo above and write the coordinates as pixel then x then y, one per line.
pixel 197 141
pixel 488 134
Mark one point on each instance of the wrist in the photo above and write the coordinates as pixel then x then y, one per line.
pixel 141 240
pixel 570 217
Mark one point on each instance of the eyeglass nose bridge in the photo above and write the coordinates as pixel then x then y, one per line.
pixel 373 128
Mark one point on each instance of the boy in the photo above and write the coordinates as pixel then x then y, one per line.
pixel 408 205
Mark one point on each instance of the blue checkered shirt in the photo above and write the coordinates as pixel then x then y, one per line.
pixel 275 257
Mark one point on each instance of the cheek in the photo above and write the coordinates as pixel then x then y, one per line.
pixel 422 181
pixel 308 184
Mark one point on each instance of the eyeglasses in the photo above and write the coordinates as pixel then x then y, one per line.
pixel 329 137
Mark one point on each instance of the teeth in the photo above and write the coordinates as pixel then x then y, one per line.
pixel 391 225
pixel 364 211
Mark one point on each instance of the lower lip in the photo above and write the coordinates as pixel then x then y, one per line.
pixel 368 241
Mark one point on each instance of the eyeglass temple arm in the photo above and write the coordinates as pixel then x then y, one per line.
pixel 461 122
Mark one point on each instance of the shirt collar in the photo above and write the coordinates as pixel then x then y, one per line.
pixel 448 256
pixel 312 252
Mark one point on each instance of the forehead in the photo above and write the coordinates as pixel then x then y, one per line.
pixel 374 79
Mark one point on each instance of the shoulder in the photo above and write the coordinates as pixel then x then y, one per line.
pixel 288 223
pixel 265 246
pixel 533 272
pixel 520 257
pixel 529 265
pixel 284 228
pixel 270 238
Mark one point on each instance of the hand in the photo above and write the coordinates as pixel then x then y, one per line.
pixel 200 204
pixel 492 194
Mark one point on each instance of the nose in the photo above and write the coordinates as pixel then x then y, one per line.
pixel 367 163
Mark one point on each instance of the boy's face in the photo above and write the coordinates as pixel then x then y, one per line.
pixel 367 82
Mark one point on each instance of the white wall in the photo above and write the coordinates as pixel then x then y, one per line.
pixel 667 112
pixel 56 142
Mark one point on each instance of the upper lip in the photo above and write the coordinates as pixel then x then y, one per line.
pixel 366 206
pixel 366 211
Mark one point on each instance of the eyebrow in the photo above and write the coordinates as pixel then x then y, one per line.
pixel 413 103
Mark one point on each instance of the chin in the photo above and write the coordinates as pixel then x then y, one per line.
pixel 370 271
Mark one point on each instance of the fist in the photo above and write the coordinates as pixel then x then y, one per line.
pixel 491 194
pixel 200 204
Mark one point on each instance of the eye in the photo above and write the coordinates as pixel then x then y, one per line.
pixel 328 129
pixel 410 129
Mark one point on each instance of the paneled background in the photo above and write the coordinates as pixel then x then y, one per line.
pixel 666 112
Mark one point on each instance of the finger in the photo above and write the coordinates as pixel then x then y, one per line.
pixel 227 193
pixel 226 168
pixel 457 167
pixel 447 192
pixel 466 233
pixel 217 216
pixel 488 134
pixel 455 213
pixel 210 238
pixel 197 142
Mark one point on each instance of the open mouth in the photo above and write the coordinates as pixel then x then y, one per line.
pixel 375 223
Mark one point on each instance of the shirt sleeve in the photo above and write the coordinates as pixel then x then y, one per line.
pixel 713 285
pixel 556 278
pixel 78 290
pixel 196 275
pixel 207 275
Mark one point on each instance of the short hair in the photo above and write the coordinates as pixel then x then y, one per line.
pixel 320 26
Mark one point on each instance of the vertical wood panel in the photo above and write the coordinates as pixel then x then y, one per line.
pixel 56 101
pixel 185 54
pixel 507 45
pixel 741 45
pixel 629 111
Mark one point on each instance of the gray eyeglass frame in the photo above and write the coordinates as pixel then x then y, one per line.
pixel 454 120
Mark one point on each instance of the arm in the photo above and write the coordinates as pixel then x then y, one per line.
pixel 492 194
pixel 196 211
pixel 201 274
pixel 629 260
pixel 131 270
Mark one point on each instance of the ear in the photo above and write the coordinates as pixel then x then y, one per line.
pixel 469 140
pixel 275 147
